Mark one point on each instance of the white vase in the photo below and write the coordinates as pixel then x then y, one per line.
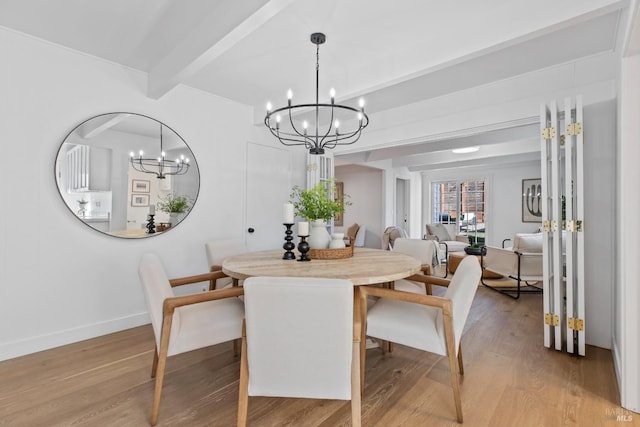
pixel 319 237
pixel 174 218
pixel 337 241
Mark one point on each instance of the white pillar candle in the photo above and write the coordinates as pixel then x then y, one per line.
pixel 288 213
pixel 152 209
pixel 303 228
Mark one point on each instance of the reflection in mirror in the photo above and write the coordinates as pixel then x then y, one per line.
pixel 102 185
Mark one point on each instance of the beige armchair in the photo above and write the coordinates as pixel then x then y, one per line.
pixel 521 262
pixel 447 237
pixel 186 322
pixel 426 322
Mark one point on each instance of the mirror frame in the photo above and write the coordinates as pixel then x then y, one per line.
pixel 192 162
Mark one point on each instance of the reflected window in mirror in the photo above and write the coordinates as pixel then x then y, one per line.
pixel 101 184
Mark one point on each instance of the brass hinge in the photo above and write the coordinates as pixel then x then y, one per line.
pixel 575 324
pixel 312 167
pixel 548 133
pixel 549 226
pixel 574 128
pixel 551 319
pixel 574 226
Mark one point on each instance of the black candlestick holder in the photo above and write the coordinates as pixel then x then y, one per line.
pixel 303 247
pixel 151 226
pixel 288 245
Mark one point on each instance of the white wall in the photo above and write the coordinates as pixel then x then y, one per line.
pixel 60 281
pixel 626 346
pixel 365 188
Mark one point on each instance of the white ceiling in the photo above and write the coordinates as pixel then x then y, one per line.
pixel 392 53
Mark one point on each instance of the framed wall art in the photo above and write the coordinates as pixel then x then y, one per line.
pixel 140 186
pixel 338 220
pixel 139 200
pixel 532 200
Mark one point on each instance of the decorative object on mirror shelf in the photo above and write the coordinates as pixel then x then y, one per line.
pixel 174 203
pixel 329 136
pixel 160 166
pixel 83 207
pixel 162 226
pixel 151 227
pixel 532 200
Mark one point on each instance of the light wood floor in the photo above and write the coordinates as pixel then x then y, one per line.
pixel 510 380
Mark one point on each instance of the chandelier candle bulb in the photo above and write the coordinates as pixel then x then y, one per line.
pixel 288 213
pixel 303 228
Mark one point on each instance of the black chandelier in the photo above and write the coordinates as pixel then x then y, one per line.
pixel 290 133
pixel 160 167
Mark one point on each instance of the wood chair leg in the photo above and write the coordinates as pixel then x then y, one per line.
pixel 243 396
pixel 451 354
pixel 460 365
pixel 360 306
pixel 455 384
pixel 154 367
pixel 162 363
pixel 356 387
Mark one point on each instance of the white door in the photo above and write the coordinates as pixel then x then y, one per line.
pixel 268 188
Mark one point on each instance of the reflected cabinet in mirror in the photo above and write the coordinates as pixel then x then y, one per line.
pixel 127 175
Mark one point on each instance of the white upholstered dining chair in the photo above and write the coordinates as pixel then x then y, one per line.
pixel 217 251
pixel 422 250
pixel 187 322
pixel 300 340
pixel 427 322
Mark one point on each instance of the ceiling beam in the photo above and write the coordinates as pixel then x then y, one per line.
pixel 492 162
pixel 228 24
pixel 95 127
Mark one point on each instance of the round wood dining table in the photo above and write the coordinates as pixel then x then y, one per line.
pixel 365 267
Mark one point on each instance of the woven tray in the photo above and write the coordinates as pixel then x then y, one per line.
pixel 338 253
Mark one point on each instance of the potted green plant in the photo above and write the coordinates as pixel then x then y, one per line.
pixel 174 204
pixel 317 207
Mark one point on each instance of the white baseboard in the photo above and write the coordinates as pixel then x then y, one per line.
pixel 30 345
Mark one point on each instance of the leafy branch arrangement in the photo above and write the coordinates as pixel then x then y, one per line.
pixel 315 203
pixel 174 203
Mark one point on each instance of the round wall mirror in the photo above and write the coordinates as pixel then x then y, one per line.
pixel 127 175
